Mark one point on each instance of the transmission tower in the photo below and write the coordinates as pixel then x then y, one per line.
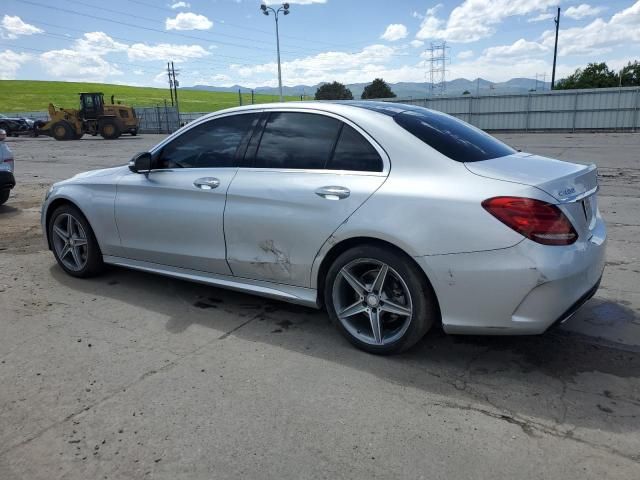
pixel 437 57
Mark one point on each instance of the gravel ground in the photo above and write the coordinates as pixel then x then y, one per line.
pixel 131 376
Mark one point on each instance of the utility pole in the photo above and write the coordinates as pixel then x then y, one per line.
pixel 170 82
pixel 555 51
pixel 175 85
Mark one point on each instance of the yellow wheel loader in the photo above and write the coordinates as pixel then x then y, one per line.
pixel 93 117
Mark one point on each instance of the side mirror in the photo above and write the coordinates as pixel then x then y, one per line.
pixel 141 163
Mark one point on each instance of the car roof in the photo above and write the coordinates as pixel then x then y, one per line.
pixel 389 109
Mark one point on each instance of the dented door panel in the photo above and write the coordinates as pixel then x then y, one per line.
pixel 275 221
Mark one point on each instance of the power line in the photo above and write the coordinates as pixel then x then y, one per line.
pixel 125 39
pixel 253 29
pixel 183 35
pixel 131 25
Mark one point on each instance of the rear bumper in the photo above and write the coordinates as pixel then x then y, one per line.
pixel 521 290
pixel 7 180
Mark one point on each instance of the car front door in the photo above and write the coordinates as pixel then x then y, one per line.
pixel 304 175
pixel 174 215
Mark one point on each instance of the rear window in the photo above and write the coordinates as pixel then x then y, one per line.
pixel 452 137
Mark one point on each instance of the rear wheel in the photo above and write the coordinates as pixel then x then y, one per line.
pixel 73 242
pixel 4 196
pixel 379 299
pixel 134 132
pixel 109 129
pixel 62 130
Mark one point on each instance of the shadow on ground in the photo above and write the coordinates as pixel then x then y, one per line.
pixel 554 381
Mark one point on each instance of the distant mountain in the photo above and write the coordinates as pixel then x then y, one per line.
pixel 405 89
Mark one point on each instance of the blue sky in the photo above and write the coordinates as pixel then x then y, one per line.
pixel 226 42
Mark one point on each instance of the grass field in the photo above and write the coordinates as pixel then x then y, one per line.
pixel 30 95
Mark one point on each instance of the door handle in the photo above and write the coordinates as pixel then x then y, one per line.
pixel 333 192
pixel 207 183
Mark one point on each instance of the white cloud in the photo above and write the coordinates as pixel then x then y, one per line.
pixel 188 21
pixel 433 10
pixel 13 27
pixel 98 43
pixel 599 36
pixel 395 31
pixel 180 5
pixel 165 51
pixel 416 43
pixel 582 11
pixel 84 61
pixel 465 54
pixel 476 19
pixel 541 18
pixel 74 65
pixel 327 66
pixel 11 63
pixel 520 48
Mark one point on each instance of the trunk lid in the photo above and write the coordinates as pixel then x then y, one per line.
pixel 564 181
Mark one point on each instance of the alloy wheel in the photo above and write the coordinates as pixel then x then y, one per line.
pixel 70 242
pixel 372 301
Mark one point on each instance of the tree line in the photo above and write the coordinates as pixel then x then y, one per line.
pixel 594 75
pixel 338 91
pixel 599 75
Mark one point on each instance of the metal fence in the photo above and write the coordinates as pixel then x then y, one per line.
pixel 611 109
pixel 158 119
pixel 607 109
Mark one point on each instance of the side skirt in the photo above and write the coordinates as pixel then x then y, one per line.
pixel 288 293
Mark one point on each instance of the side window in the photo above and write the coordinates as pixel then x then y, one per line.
pixel 297 140
pixel 354 152
pixel 211 144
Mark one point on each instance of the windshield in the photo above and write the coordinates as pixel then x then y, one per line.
pixel 452 137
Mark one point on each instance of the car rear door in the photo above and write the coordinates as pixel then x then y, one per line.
pixel 174 216
pixel 305 173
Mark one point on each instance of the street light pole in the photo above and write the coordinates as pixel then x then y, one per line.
pixel 285 10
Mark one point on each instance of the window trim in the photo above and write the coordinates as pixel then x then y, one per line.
pixel 156 151
pixel 250 160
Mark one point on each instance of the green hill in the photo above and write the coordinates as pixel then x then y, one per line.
pixel 31 95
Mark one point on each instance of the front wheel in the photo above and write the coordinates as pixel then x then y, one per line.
pixel 379 299
pixel 73 243
pixel 109 129
pixel 4 196
pixel 62 131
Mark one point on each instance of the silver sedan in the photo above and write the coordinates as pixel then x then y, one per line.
pixel 394 218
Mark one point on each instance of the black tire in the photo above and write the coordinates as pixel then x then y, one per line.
pixel 109 129
pixel 425 308
pixel 94 264
pixel 78 136
pixel 134 132
pixel 6 129
pixel 62 131
pixel 4 196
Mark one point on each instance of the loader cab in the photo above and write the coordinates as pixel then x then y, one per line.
pixel 91 105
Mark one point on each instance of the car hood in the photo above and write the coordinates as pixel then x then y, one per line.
pixel 564 181
pixel 114 172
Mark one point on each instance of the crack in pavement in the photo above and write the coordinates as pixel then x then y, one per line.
pixel 168 366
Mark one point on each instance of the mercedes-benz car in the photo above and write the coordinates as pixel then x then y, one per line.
pixel 395 218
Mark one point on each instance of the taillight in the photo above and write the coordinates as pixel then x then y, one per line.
pixel 537 220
